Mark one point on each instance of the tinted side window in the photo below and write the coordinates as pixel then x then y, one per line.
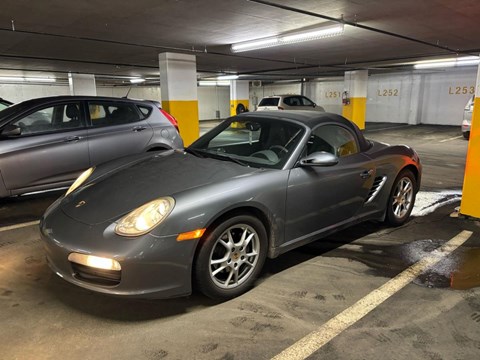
pixel 292 101
pixel 104 113
pixel 306 101
pixel 51 119
pixel 333 139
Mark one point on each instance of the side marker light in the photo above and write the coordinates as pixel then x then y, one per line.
pixel 191 235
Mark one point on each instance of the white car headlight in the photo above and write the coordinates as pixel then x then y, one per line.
pixel 80 180
pixel 143 219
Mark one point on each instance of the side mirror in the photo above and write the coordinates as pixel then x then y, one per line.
pixel 321 158
pixel 314 105
pixel 11 131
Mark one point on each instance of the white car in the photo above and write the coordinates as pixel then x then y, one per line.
pixel 288 102
pixel 467 118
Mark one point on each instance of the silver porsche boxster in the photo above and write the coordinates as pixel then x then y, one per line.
pixel 206 217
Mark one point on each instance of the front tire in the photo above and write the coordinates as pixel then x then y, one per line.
pixel 231 257
pixel 402 198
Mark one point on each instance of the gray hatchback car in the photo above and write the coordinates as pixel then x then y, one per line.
pixel 46 143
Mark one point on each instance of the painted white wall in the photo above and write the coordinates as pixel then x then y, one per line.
pixel 434 97
pixel 446 94
pixel 17 93
pixel 437 97
pixel 135 92
pixel 327 94
pixel 212 99
pixel 394 98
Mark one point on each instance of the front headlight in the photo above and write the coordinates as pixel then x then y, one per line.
pixel 143 219
pixel 80 180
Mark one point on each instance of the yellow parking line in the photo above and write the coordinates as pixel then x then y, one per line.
pixel 318 338
pixel 18 226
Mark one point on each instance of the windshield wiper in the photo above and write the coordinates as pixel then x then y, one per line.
pixel 218 156
pixel 226 158
pixel 195 152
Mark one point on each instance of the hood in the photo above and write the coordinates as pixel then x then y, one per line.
pixel 133 184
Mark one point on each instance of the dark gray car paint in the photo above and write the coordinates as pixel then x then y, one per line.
pixel 297 204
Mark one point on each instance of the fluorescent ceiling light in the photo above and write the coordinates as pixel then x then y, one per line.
pixel 12 78
pixel 39 79
pixel 255 44
pixel 313 34
pixel 137 80
pixel 214 83
pixel 227 77
pixel 449 62
pixel 289 38
pixel 27 79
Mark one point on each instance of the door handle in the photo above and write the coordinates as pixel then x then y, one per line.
pixel 72 139
pixel 139 128
pixel 366 174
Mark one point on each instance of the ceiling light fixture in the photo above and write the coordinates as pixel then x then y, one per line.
pixel 17 79
pixel 447 63
pixel 290 38
pixel 137 80
pixel 214 83
pixel 227 77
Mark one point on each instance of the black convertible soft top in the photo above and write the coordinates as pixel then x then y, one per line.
pixel 311 119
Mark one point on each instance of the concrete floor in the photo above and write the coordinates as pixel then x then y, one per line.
pixel 44 317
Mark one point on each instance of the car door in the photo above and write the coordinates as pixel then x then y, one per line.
pixel 116 129
pixel 321 197
pixel 50 150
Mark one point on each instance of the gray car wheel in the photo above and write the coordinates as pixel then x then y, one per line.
pixel 402 198
pixel 231 257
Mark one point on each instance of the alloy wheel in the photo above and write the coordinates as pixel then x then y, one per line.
pixel 234 256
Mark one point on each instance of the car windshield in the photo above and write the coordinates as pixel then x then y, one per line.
pixel 256 142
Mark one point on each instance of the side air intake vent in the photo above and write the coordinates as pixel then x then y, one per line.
pixel 376 187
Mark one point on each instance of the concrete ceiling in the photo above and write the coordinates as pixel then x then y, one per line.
pixel 115 39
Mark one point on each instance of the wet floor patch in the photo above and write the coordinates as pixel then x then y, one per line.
pixel 459 270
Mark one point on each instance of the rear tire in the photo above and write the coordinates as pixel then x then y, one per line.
pixel 231 257
pixel 466 135
pixel 402 198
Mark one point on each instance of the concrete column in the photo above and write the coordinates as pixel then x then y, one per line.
pixel 356 88
pixel 239 94
pixel 178 86
pixel 308 89
pixel 82 84
pixel 470 204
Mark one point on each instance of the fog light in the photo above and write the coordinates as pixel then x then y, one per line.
pixel 95 261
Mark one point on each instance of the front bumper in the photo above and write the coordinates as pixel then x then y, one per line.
pixel 151 267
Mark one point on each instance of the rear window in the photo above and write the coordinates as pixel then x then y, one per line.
pixel 269 102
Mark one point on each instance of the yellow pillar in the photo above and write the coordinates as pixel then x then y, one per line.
pixel 239 94
pixel 355 108
pixel 470 204
pixel 178 86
